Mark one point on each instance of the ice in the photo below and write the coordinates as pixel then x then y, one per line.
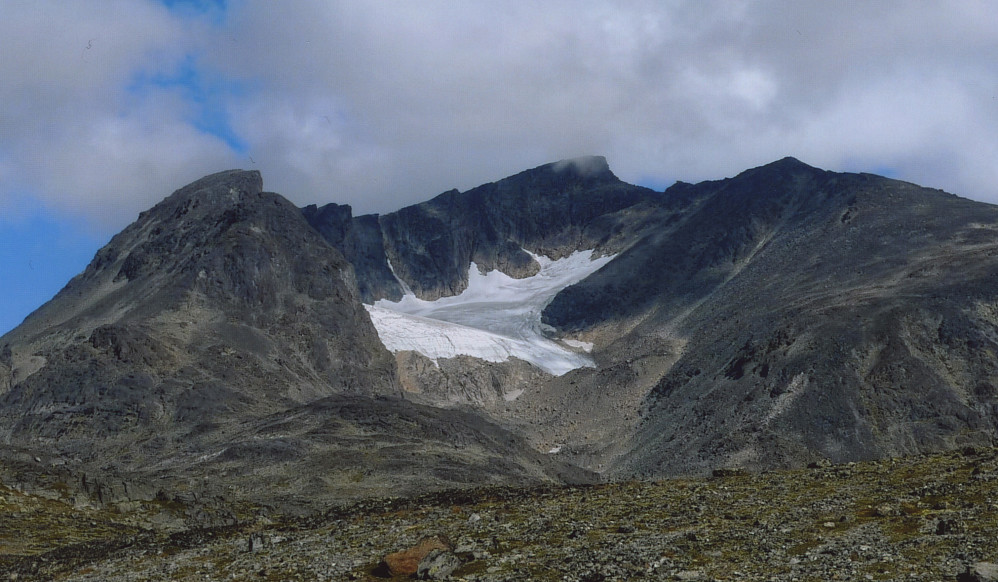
pixel 497 317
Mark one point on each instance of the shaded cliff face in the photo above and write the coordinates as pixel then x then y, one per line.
pixel 550 210
pixel 361 240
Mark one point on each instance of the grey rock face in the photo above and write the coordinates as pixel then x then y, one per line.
pixel 784 315
pixel 361 241
pixel 836 314
pixel 553 210
pixel 437 565
pixel 218 304
pixel 6 369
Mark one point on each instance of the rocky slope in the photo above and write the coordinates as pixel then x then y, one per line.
pixel 919 518
pixel 218 345
pixel 844 316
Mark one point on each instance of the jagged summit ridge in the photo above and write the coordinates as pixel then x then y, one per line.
pixel 552 210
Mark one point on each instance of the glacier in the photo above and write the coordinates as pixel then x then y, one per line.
pixel 495 318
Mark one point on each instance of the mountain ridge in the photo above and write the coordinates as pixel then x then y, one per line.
pixel 781 316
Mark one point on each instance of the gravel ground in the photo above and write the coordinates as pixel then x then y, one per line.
pixel 925 518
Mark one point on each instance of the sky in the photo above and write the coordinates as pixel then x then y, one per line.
pixel 108 107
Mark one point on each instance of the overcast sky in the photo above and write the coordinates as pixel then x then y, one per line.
pixel 107 107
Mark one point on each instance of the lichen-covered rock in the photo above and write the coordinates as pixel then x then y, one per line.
pixel 438 564
pixel 407 562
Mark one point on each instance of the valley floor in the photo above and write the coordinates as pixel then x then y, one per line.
pixel 924 518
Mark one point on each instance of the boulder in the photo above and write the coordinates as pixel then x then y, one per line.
pixel 407 562
pixel 979 572
pixel 437 565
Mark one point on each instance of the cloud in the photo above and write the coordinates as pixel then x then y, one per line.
pixel 381 104
pixel 74 138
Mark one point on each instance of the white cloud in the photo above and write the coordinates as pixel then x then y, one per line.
pixel 380 104
pixel 74 137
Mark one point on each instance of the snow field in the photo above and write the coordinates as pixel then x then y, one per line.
pixel 497 317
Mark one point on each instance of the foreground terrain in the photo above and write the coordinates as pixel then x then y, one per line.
pixel 917 518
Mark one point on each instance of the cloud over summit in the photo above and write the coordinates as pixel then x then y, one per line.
pixel 109 107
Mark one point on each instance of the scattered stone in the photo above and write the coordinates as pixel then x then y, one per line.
pixel 437 565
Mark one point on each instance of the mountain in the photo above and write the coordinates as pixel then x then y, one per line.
pixel 556 325
pixel 820 314
pixel 212 338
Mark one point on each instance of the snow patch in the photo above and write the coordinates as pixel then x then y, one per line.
pixel 406 290
pixel 496 318
pixel 584 346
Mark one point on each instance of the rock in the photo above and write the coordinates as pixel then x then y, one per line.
pixel 406 562
pixel 437 565
pixel 949 526
pixel 979 572
pixel 255 543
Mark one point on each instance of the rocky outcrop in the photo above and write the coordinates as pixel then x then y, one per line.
pixel 407 562
pixel 465 380
pixel 552 210
pixel 361 241
pixel 6 369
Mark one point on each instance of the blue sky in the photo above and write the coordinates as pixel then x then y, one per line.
pixel 39 254
pixel 108 107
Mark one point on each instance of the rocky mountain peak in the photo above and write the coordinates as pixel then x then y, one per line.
pixel 584 166
pixel 221 188
pixel 586 171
